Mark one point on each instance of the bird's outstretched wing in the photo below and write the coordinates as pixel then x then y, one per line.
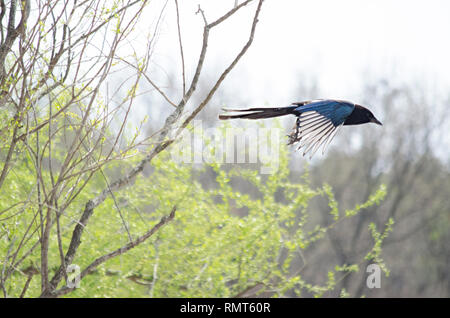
pixel 318 122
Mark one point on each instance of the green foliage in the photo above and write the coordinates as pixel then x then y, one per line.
pixel 375 254
pixel 221 242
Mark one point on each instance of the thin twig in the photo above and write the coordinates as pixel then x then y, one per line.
pixel 181 48
pixel 233 11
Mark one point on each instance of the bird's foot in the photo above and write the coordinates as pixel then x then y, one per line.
pixel 293 137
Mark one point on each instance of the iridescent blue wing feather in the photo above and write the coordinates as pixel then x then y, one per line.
pixel 318 122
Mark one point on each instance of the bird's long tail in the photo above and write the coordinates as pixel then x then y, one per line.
pixel 259 113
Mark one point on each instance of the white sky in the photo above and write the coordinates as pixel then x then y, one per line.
pixel 341 44
pixel 339 41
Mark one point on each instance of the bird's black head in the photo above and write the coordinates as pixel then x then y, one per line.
pixel 361 115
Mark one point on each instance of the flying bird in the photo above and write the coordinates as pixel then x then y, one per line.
pixel 317 120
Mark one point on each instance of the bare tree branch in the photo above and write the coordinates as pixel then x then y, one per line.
pixel 181 47
pixel 90 268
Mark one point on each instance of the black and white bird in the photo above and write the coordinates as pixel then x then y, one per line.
pixel 317 120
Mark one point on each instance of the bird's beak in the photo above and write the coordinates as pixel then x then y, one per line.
pixel 376 121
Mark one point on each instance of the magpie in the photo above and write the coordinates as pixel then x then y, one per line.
pixel 317 120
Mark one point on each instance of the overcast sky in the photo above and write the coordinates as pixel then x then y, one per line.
pixel 340 44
